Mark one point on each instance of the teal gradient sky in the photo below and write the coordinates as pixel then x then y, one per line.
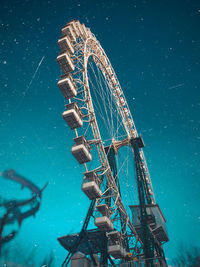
pixel 154 47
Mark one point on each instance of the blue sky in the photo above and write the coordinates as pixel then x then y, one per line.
pixel 154 48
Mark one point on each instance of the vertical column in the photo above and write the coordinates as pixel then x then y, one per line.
pixel 148 243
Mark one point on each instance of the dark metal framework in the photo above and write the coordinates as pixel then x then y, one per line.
pixel 85 240
pixel 84 234
pixel 151 245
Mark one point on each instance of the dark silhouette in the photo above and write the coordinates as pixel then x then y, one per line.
pixel 13 207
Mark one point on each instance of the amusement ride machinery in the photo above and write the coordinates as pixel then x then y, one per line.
pixel 106 143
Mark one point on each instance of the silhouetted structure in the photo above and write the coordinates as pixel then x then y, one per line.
pixel 14 207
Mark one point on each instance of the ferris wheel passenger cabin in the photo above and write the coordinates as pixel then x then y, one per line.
pixel 68 31
pixel 104 222
pixel 116 245
pixel 81 150
pixel 65 62
pixel 91 184
pixel 73 116
pixel 67 86
pixel 65 45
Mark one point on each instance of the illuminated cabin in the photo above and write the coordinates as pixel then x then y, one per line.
pixel 68 31
pixel 104 223
pixel 65 62
pixel 116 245
pixel 155 219
pixel 81 150
pixel 65 45
pixel 74 27
pixel 67 86
pixel 91 185
pixel 73 116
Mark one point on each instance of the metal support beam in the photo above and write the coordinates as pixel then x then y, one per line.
pixel 82 233
pixel 104 254
pixel 111 152
pixel 148 243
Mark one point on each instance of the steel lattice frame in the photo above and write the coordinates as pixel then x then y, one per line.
pixel 84 48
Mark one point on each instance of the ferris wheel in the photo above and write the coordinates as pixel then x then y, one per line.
pixel 98 113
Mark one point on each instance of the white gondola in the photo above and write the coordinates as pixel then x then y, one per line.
pixel 74 28
pixel 115 245
pixel 68 31
pixel 65 62
pixel 67 87
pixel 103 209
pixel 104 223
pixel 91 189
pixel 81 150
pixel 65 45
pixel 90 185
pixel 73 116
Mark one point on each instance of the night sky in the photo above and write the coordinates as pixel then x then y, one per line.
pixel 154 47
